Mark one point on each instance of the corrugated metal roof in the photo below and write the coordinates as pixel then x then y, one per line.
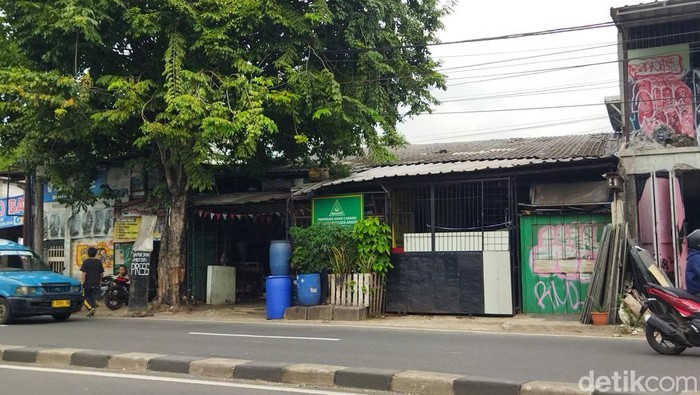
pixel 239 198
pixel 599 145
pixel 423 169
pixel 655 12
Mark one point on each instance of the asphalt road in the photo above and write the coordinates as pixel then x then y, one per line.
pixel 510 356
pixel 21 380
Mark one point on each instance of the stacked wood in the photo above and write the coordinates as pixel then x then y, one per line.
pixel 608 273
pixel 359 290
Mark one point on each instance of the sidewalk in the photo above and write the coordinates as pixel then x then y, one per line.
pixel 523 323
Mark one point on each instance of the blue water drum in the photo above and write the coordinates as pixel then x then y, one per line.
pixel 309 289
pixel 295 292
pixel 280 252
pixel 278 296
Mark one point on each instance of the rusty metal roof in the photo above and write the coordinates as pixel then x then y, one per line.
pixel 461 157
pixel 423 169
pixel 239 198
pixel 591 146
pixel 655 12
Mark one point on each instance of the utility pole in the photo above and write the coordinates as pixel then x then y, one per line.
pixel 28 222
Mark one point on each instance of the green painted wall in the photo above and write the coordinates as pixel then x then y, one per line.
pixel 558 254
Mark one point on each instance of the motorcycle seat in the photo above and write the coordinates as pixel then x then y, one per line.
pixel 681 293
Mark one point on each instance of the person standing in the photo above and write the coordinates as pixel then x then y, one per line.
pixel 692 268
pixel 92 275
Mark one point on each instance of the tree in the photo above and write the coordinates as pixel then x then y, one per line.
pixel 202 82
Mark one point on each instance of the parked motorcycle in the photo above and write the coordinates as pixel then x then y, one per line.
pixel 675 322
pixel 104 284
pixel 117 295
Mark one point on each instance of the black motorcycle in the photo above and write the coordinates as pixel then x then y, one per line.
pixel 117 295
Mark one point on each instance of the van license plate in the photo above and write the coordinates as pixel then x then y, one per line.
pixel 60 303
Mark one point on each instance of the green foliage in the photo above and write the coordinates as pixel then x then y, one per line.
pixel 312 247
pixel 243 83
pixel 342 259
pixel 597 307
pixel 373 239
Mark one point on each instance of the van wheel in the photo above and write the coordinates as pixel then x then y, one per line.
pixel 5 313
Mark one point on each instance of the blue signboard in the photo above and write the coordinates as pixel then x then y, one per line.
pixel 11 211
pixel 51 195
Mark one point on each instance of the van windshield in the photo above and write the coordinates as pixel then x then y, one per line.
pixel 21 261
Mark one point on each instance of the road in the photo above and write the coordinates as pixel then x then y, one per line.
pixel 510 356
pixel 20 380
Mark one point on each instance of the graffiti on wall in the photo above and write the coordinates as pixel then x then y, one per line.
pixel 660 82
pixel 560 264
pixel 105 253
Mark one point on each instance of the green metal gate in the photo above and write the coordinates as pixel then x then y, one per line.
pixel 558 254
pixel 201 252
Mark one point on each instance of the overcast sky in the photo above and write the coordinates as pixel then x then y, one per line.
pixel 475 86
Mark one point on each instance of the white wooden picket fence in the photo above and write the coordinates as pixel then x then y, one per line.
pixel 357 289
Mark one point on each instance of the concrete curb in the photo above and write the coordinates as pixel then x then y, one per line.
pixel 406 381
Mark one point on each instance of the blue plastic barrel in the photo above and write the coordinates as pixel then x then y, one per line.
pixel 295 292
pixel 309 289
pixel 280 252
pixel 278 296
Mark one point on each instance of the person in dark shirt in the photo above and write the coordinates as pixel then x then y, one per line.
pixel 92 276
pixel 692 268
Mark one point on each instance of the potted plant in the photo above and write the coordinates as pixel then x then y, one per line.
pixel 599 314
pixel 311 255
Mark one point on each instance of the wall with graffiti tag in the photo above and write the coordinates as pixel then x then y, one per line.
pixel 105 253
pixel 660 83
pixel 558 255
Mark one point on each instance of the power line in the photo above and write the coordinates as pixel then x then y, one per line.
pixel 577 88
pixel 525 73
pixel 599 129
pixel 527 58
pixel 550 107
pixel 482 39
pixel 525 126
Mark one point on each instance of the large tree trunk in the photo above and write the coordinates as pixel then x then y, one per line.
pixel 172 256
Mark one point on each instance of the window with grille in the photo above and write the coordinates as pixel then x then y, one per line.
pixel 449 217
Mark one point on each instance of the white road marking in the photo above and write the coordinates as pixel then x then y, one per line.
pixel 570 336
pixel 328 339
pixel 176 380
pixel 3 325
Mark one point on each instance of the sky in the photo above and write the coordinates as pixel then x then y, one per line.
pixel 487 76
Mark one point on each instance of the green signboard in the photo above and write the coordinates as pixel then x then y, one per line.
pixel 342 209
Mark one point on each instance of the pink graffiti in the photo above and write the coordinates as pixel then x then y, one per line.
pixel 664 100
pixel 566 247
pixel 543 292
pixel 671 64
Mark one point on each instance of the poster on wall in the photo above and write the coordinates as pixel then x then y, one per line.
pixel 55 219
pixel 660 83
pixel 95 221
pixel 62 221
pixel 127 228
pixel 342 209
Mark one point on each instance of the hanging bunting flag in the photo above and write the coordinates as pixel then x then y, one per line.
pixel 225 215
pixel 211 215
pixel 239 216
pixel 218 216
pixel 200 212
